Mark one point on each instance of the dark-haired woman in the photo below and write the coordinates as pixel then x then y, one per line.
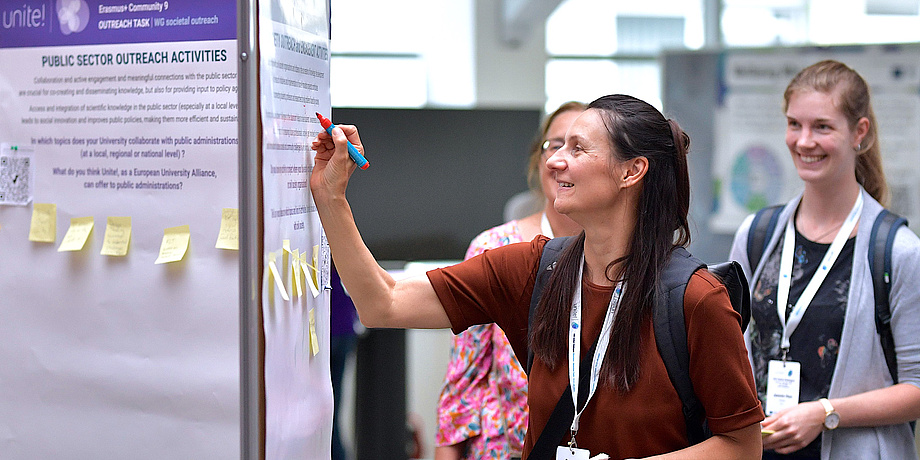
pixel 482 411
pixel 622 175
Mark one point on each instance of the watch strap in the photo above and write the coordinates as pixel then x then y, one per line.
pixel 831 417
pixel 828 408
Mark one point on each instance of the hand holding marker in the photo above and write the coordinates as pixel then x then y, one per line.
pixel 352 151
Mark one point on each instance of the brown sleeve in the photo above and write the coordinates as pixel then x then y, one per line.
pixel 494 286
pixel 719 366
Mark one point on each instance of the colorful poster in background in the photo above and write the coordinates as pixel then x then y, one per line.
pixel 124 111
pixel 294 72
pixel 752 167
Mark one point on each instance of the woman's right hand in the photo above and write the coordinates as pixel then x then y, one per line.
pixel 332 167
pixel 794 427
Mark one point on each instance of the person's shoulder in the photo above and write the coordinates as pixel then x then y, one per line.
pixel 703 279
pixel 499 231
pixel 515 251
pixel 497 236
pixel 905 250
pixel 705 290
pixel 905 238
pixel 702 284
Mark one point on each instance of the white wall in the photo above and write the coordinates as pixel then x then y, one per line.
pixel 507 76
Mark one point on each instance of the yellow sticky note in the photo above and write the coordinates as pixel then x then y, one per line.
pixel 174 245
pixel 117 236
pixel 314 340
pixel 315 273
pixel 296 270
pixel 277 276
pixel 304 271
pixel 229 235
pixel 75 238
pixel 44 223
pixel 311 277
pixel 271 292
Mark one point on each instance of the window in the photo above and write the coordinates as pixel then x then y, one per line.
pixel 411 53
pixel 598 47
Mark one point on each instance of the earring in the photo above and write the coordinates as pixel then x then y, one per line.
pixel 858 147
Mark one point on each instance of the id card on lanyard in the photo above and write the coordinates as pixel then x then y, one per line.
pixel 575 325
pixel 572 453
pixel 784 376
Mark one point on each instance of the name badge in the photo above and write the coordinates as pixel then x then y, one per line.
pixel 568 453
pixel 783 381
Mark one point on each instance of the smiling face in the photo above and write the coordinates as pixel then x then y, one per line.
pixel 555 139
pixel 822 144
pixel 584 168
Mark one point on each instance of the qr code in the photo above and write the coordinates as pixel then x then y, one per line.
pixel 15 179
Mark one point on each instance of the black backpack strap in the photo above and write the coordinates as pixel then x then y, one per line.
pixel 881 241
pixel 560 421
pixel 761 231
pixel 551 252
pixel 671 338
pixel 732 276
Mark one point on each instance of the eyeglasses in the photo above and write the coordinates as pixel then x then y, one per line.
pixel 550 146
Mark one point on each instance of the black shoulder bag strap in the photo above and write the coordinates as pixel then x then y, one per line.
pixel 761 231
pixel 551 252
pixel 560 420
pixel 881 241
pixel 671 338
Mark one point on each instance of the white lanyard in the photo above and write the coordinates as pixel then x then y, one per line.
pixel 785 272
pixel 544 226
pixel 575 345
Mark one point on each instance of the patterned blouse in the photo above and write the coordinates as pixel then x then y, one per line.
pixel 484 398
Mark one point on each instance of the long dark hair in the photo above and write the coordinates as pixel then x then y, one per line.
pixel 636 129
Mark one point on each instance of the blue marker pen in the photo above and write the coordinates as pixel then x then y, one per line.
pixel 352 151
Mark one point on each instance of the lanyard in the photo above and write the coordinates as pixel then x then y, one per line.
pixel 785 272
pixel 545 229
pixel 575 345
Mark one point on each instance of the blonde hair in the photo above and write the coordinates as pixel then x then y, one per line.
pixel 833 77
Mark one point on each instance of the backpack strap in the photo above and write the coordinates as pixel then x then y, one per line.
pixel 881 241
pixel 671 331
pixel 732 276
pixel 670 335
pixel 761 231
pixel 551 252
pixel 671 338
pixel 560 420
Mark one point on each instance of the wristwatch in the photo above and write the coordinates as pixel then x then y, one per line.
pixel 831 417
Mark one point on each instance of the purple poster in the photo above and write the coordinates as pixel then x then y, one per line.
pixel 29 23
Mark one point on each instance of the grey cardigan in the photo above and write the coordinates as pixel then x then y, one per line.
pixel 861 365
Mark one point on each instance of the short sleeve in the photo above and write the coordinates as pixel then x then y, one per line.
pixel 719 366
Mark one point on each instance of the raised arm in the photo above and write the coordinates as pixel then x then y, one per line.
pixel 380 300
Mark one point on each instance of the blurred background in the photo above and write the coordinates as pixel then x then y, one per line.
pixel 448 94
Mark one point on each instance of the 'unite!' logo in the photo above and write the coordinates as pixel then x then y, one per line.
pixel 27 16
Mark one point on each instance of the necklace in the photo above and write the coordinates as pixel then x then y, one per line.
pixel 833 229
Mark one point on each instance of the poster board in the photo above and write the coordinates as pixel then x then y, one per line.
pixel 730 102
pixel 114 112
pixel 294 55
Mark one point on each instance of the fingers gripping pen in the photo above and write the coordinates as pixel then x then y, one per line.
pixel 352 151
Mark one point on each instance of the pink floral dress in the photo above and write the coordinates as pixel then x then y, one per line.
pixel 484 398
